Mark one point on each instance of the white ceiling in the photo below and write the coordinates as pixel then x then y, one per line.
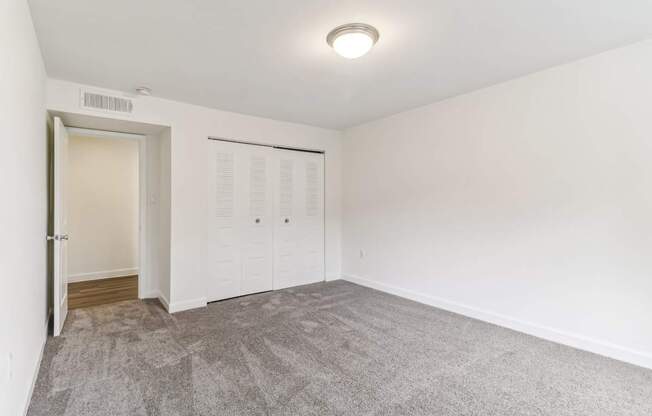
pixel 270 58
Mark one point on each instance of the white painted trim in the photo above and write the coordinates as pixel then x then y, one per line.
pixel 103 134
pixel 144 280
pixel 103 274
pixel 151 295
pixel 185 305
pixel 161 298
pixel 607 349
pixel 164 301
pixel 332 276
pixel 38 367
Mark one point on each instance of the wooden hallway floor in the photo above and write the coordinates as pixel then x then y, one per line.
pixel 102 291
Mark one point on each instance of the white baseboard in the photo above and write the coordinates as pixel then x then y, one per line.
pixel 161 298
pixel 185 305
pixel 607 349
pixel 104 274
pixel 150 295
pixel 164 301
pixel 38 367
pixel 333 276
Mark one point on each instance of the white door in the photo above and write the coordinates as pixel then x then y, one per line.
pixel 311 250
pixel 240 231
pixel 256 219
pixel 60 236
pixel 299 218
pixel 223 263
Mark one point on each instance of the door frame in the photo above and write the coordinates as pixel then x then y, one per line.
pixel 143 271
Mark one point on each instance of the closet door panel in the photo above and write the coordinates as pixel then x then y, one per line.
pixel 257 225
pixel 222 255
pixel 285 243
pixel 298 231
pixel 312 247
pixel 266 219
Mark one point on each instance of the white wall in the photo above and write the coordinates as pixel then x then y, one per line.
pixel 190 127
pixel 23 211
pixel 103 208
pixel 164 141
pixel 528 204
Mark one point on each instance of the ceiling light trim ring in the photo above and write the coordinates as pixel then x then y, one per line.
pixel 368 30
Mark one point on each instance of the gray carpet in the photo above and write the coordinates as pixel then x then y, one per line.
pixel 324 349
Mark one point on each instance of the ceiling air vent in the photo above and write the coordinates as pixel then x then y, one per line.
pixel 106 103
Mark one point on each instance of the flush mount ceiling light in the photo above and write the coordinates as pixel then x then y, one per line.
pixel 353 39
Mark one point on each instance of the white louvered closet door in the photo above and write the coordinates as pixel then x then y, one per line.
pixel 299 215
pixel 223 259
pixel 257 227
pixel 239 245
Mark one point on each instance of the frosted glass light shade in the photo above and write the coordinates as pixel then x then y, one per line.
pixel 352 40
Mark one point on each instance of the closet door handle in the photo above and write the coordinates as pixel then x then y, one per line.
pixel 257 220
pixel 287 221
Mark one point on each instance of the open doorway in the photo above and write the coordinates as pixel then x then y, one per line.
pixel 103 209
pixel 109 213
